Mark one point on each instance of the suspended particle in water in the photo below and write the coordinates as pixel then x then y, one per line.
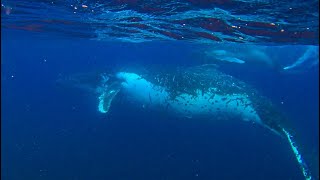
pixel 8 10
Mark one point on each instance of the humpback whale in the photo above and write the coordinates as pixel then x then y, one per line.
pixel 201 91
pixel 240 55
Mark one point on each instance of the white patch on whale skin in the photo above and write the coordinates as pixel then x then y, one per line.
pixel 142 91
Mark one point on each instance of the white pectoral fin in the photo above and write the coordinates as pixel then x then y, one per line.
pixel 219 52
pixel 101 103
pixel 287 67
pixel 304 169
pixel 310 56
pixel 232 59
pixel 106 98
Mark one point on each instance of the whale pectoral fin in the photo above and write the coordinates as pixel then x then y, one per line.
pixel 303 166
pixel 232 59
pixel 106 98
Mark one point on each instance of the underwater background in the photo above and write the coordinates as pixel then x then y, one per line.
pixel 51 132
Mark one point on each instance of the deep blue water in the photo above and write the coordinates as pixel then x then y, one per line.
pixel 49 132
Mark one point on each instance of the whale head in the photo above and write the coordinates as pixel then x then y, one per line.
pixel 101 84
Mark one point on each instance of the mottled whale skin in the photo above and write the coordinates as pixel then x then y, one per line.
pixel 201 104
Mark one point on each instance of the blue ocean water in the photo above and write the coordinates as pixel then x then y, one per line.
pixel 53 132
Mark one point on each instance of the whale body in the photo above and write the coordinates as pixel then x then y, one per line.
pixel 200 104
pixel 201 91
pixel 193 92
